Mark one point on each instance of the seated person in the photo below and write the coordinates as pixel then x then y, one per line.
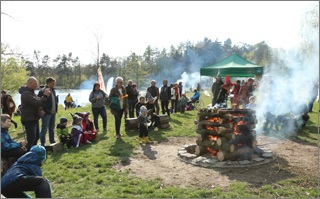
pixel 139 104
pixel 183 103
pixel 88 126
pixel 64 135
pixel 78 134
pixel 10 148
pixel 195 97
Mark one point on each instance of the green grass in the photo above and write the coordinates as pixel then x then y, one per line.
pixel 87 171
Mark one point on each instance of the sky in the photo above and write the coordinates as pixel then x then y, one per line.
pixel 60 27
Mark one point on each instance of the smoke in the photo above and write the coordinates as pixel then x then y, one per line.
pixel 88 84
pixel 288 86
pixel 191 80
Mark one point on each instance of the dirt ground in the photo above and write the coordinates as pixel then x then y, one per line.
pixel 160 160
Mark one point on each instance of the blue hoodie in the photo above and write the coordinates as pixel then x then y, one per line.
pixel 27 165
pixel 6 142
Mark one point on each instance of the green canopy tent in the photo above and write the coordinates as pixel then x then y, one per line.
pixel 234 66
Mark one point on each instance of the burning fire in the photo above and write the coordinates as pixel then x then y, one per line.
pixel 235 126
pixel 213 152
pixel 214 138
pixel 213 119
pixel 211 128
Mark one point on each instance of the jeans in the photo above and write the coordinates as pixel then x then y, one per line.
pixel 48 122
pixel 15 152
pixel 32 131
pixel 165 107
pixel 99 111
pixel 40 185
pixel 174 104
pixel 117 117
pixel 131 104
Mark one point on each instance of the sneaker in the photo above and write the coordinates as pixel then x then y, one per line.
pixel 88 142
pixel 118 136
pixel 104 129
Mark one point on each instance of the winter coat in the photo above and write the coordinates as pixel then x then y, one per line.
pixel 183 102
pixel 216 89
pixel 47 106
pixel 62 130
pixel 8 104
pixel 154 91
pixel 30 104
pixel 114 92
pixel 6 142
pixel 27 165
pixel 165 93
pixel 98 103
pixel 173 94
pixel 129 91
pixel 196 96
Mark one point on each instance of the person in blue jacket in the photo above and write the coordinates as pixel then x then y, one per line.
pixel 10 148
pixel 26 175
pixel 195 96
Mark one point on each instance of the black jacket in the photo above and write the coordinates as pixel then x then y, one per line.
pixel 165 93
pixel 46 107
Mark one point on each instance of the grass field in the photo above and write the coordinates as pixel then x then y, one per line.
pixel 87 171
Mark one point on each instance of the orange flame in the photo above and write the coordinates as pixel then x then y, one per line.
pixel 214 138
pixel 214 119
pixel 211 128
pixel 213 152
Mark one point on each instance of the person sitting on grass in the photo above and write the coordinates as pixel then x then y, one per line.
pixel 143 124
pixel 63 133
pixel 183 102
pixel 10 148
pixel 139 104
pixel 78 133
pixel 88 126
pixel 26 175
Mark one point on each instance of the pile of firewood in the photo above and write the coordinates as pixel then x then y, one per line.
pixel 227 134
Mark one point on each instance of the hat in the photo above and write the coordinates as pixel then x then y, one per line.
pixel 83 114
pixel 250 79
pixel 228 81
pixel 75 118
pixel 143 109
pixel 63 120
pixel 40 151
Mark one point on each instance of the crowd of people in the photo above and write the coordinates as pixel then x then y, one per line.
pixel 122 100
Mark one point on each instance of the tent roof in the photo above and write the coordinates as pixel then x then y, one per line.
pixel 234 66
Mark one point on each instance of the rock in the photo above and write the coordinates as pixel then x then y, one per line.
pixel 243 162
pixel 258 159
pixel 267 155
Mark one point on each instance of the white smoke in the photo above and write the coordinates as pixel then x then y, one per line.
pixel 191 80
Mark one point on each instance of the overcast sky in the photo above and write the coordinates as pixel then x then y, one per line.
pixel 62 27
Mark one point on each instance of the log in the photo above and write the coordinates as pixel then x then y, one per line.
pixel 254 144
pixel 205 143
pixel 229 136
pixel 164 126
pixel 223 130
pixel 56 147
pixel 224 147
pixel 207 123
pixel 221 140
pixel 163 117
pixel 243 128
pixel 206 131
pixel 210 114
pixel 228 117
pixel 199 150
pixel 228 125
pixel 236 111
pixel 131 121
pixel 239 154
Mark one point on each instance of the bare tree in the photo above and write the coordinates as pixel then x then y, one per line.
pixel 97 54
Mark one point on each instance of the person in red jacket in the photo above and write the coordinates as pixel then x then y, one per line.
pixel 236 89
pixel 88 126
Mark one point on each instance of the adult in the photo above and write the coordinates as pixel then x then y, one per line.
pixel 180 86
pixel 8 106
pixel 131 99
pixel 135 96
pixel 68 102
pixel 10 148
pixel 235 91
pixel 119 103
pixel 224 91
pixel 154 91
pixel 49 110
pixel 26 175
pixel 245 92
pixel 175 97
pixel 195 97
pixel 97 98
pixel 31 109
pixel 198 87
pixel 165 95
pixel 215 88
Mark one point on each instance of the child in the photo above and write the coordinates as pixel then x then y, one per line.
pixel 251 105
pixel 183 103
pixel 63 133
pixel 143 124
pixel 88 126
pixel 139 104
pixel 10 148
pixel 78 132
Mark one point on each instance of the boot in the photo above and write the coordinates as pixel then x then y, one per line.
pixel 146 139
pixel 140 140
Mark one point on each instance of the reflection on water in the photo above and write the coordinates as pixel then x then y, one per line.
pixel 81 97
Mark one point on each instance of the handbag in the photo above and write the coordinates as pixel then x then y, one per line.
pixel 114 103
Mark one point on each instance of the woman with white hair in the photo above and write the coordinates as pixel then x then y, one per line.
pixel 119 103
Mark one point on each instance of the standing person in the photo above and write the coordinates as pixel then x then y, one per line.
pixel 139 104
pixel 175 97
pixel 245 92
pixel 8 106
pixel 143 125
pixel 235 91
pixel 49 110
pixel 119 103
pixel 26 175
pixel 154 91
pixel 215 88
pixel 31 109
pixel 180 89
pixel 165 95
pixel 131 104
pixel 135 97
pixel 10 148
pixel 97 98
pixel 68 102
pixel 198 87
